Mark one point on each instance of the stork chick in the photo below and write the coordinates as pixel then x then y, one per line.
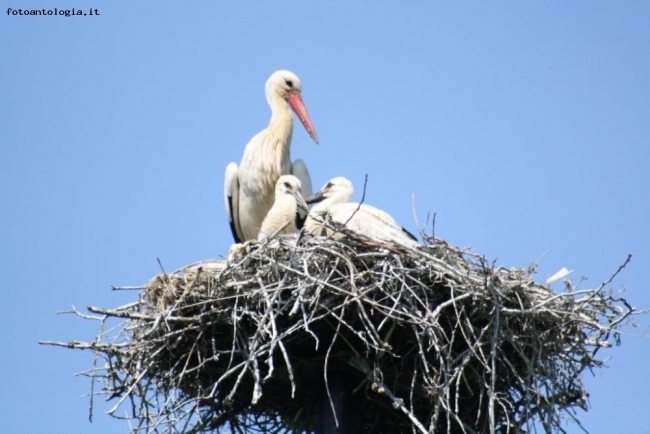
pixel 333 203
pixel 283 214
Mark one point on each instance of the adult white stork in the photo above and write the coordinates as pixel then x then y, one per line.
pixel 249 188
pixel 283 214
pixel 334 204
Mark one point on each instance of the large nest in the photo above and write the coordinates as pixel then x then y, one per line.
pixel 433 339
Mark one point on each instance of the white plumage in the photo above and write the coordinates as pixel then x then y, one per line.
pixel 284 212
pixel 334 204
pixel 249 188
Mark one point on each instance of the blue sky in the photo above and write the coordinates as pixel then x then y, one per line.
pixel 523 125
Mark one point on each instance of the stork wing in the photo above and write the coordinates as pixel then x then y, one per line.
pixel 409 234
pixel 231 201
pixel 388 220
pixel 300 171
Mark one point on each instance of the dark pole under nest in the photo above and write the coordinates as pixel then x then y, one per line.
pixel 340 411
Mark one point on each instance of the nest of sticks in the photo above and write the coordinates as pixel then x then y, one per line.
pixel 432 340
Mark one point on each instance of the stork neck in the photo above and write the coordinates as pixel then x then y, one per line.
pixel 281 124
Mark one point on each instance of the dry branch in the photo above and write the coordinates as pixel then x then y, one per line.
pixel 433 339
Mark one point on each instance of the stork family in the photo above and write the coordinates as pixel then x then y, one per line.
pixel 268 194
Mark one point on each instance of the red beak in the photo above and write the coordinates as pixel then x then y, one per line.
pixel 298 106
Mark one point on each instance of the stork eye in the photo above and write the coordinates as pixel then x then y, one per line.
pixel 289 83
pixel 287 185
pixel 329 185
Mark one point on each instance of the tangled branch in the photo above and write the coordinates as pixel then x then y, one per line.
pixel 433 339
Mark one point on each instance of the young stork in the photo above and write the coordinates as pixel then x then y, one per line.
pixel 334 203
pixel 284 212
pixel 248 189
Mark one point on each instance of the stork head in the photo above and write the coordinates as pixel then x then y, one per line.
pixel 337 190
pixel 289 185
pixel 286 85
